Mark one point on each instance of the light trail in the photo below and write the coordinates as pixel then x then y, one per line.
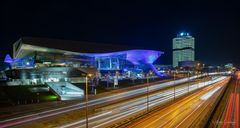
pixel 209 94
pixel 179 113
pixel 139 105
pixel 231 118
pixel 106 99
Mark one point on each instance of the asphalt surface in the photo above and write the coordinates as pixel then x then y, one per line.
pixel 231 113
pixel 69 108
pixel 185 112
pixel 112 114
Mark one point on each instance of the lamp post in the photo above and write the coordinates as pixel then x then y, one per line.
pixel 200 78
pixel 174 85
pixel 205 80
pixel 188 81
pixel 218 70
pixel 86 98
pixel 147 92
pixel 150 74
pixel 38 97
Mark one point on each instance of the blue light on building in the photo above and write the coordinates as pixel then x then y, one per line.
pixel 8 59
pixel 39 56
pixel 183 34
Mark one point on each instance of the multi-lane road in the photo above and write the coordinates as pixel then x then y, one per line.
pixel 102 100
pixel 231 113
pixel 187 112
pixel 112 113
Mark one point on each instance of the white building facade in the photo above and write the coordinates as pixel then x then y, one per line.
pixel 183 48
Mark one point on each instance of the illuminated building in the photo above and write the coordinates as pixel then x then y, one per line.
pixel 61 64
pixel 183 48
pixel 46 60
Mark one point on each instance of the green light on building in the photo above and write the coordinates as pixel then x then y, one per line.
pixel 51 97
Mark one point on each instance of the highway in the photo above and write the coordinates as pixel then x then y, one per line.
pixel 187 112
pixel 117 110
pixel 106 99
pixel 112 114
pixel 20 110
pixel 231 114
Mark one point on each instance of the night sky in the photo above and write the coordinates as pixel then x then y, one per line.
pixel 215 25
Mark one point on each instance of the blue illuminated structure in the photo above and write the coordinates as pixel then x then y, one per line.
pixel 61 63
pixel 8 59
pixel 134 56
pixel 104 57
pixel 24 62
pixel 137 57
pixel 183 34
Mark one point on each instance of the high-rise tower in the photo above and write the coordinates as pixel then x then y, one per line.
pixel 183 48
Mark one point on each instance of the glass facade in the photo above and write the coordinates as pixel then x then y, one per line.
pixel 183 48
pixel 39 64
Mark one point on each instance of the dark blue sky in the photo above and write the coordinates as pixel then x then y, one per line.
pixel 215 25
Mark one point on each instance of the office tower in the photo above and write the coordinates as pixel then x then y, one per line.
pixel 183 48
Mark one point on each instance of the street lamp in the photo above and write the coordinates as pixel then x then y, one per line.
pixel 86 98
pixel 148 92
pixel 198 67
pixel 150 74
pixel 174 85
pixel 188 81
pixel 38 97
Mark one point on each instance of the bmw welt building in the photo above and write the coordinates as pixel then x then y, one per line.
pixel 41 60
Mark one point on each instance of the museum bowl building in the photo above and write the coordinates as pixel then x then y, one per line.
pixel 41 60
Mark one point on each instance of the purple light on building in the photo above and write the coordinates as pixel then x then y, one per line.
pixel 143 56
pixel 134 56
pixel 8 59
